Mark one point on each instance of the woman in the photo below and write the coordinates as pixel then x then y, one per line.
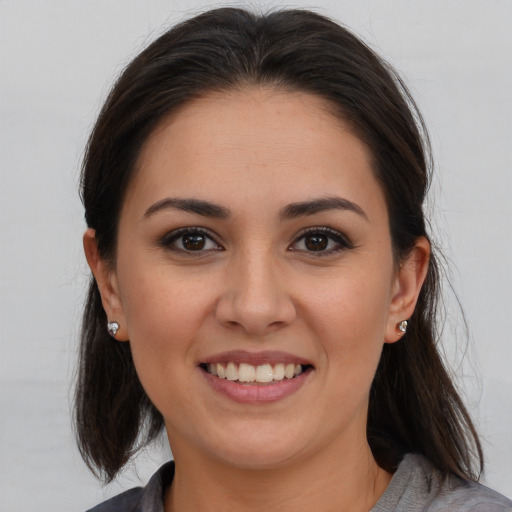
pixel 265 288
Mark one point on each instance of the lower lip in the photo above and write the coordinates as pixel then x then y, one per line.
pixel 257 393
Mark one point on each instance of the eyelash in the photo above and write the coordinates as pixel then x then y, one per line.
pixel 170 238
pixel 342 242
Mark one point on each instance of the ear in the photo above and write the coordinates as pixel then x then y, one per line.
pixel 107 284
pixel 407 284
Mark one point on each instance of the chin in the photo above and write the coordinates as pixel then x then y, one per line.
pixel 255 448
pixel 257 459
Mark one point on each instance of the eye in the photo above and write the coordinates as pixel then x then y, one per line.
pixel 321 241
pixel 190 240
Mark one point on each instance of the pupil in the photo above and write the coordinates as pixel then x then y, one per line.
pixel 316 242
pixel 193 242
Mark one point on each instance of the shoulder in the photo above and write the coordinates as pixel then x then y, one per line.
pixel 127 501
pixel 139 499
pixel 463 495
pixel 419 487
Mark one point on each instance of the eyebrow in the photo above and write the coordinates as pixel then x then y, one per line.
pixel 199 206
pixel 291 211
pixel 323 204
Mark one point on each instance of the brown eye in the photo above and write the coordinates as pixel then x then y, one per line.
pixel 189 240
pixel 321 241
pixel 193 242
pixel 316 242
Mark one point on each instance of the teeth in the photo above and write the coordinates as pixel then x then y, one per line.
pixel 231 372
pixel 248 373
pixel 289 371
pixel 279 371
pixel 264 373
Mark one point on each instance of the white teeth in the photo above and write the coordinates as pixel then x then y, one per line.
pixel 246 373
pixel 279 371
pixel 289 371
pixel 231 371
pixel 264 373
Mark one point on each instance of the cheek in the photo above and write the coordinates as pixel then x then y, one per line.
pixel 161 304
pixel 161 327
pixel 349 318
pixel 355 304
pixel 163 316
pixel 166 318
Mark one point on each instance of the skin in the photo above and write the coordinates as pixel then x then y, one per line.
pixel 257 286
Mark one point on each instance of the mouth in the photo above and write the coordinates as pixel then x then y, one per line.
pixel 255 375
pixel 256 378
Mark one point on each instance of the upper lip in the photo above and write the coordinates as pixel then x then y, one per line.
pixel 256 358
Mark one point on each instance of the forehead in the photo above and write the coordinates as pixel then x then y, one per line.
pixel 254 144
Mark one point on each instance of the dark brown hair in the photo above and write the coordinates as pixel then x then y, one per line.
pixel 414 406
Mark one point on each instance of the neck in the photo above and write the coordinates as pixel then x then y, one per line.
pixel 346 480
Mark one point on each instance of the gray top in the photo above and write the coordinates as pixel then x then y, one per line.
pixel 418 487
pixel 415 487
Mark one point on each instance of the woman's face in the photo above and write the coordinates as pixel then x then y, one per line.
pixel 254 245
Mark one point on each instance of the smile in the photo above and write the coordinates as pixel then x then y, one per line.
pixel 251 374
pixel 256 378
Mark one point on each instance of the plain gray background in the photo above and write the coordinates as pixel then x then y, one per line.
pixel 58 59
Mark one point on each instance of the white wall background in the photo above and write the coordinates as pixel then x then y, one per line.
pixel 58 59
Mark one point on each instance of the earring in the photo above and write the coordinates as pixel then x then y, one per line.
pixel 112 328
pixel 401 327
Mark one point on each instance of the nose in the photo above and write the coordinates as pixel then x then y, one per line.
pixel 254 296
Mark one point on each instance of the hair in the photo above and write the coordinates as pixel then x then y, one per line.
pixel 413 405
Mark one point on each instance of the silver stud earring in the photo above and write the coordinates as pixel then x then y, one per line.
pixel 402 327
pixel 112 328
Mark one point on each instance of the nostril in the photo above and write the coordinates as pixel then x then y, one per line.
pixel 255 305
